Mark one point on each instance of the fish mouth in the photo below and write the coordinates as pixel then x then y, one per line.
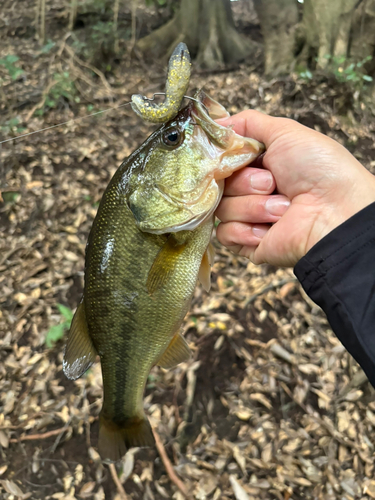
pixel 205 110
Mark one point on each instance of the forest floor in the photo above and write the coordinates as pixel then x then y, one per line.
pixel 271 406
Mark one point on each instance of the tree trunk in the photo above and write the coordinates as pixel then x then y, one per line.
pixel 329 28
pixel 362 36
pixel 278 20
pixel 207 28
pixel 72 14
pixel 338 28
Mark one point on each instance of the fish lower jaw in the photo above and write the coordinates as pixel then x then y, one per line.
pixel 190 224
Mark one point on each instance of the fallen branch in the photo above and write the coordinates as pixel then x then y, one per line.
pixel 32 437
pixel 168 466
pixel 117 482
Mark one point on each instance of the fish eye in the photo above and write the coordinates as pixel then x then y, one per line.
pixel 172 137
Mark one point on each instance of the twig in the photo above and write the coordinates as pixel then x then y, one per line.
pixel 9 253
pixel 90 67
pixel 168 466
pixel 116 8
pixel 117 482
pixel 32 437
pixel 43 21
pixel 72 14
pixel 37 15
pixel 41 102
pixel 134 25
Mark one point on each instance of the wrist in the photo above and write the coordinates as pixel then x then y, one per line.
pixel 355 199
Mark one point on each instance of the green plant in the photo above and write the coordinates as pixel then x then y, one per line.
pixel 151 381
pixel 47 47
pixel 56 332
pixel 347 71
pixel 12 126
pixel 149 3
pixel 10 196
pixel 99 6
pixel 63 87
pixel 9 63
pixel 305 74
pixel 98 44
pixel 103 36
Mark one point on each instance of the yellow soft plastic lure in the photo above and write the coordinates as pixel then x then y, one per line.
pixel 179 69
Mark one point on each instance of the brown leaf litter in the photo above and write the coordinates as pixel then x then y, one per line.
pixel 271 406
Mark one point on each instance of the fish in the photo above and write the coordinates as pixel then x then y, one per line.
pixel 178 77
pixel 148 246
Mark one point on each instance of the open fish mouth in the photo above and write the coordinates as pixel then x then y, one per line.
pixel 205 111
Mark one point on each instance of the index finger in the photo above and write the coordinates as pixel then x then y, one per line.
pixel 254 124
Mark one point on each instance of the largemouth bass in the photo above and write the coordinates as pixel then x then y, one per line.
pixel 148 244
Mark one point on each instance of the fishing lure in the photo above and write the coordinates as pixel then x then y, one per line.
pixel 179 70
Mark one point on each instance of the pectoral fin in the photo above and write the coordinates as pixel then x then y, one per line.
pixel 177 352
pixel 211 254
pixel 80 352
pixel 164 264
pixel 204 275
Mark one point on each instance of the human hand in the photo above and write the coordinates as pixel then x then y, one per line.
pixel 319 184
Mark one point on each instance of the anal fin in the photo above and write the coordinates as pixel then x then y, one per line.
pixel 177 352
pixel 80 352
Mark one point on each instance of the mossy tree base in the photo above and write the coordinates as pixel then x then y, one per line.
pixel 207 27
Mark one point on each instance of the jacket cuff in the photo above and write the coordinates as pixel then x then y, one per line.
pixel 340 245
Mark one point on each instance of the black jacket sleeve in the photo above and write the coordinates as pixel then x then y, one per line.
pixel 338 273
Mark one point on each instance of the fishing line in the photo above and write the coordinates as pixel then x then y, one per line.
pixel 73 120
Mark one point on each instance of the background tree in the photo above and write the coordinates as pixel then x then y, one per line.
pixel 334 29
pixel 279 20
pixel 207 27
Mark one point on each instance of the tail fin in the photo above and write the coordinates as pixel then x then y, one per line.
pixel 115 440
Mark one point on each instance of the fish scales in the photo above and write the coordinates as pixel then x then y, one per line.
pixel 128 321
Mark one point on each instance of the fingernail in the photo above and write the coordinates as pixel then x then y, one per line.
pixel 261 181
pixel 259 232
pixel 277 206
